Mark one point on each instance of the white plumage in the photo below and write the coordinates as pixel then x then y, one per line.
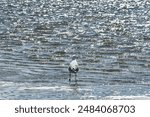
pixel 73 68
pixel 73 65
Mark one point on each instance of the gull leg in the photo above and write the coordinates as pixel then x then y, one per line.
pixel 75 77
pixel 69 77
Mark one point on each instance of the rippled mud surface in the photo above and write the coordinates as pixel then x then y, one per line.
pixel 111 39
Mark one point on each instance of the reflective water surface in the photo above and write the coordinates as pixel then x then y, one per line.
pixel 111 39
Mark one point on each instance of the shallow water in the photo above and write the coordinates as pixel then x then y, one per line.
pixel 111 40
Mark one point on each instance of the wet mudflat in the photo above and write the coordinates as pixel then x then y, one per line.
pixel 111 40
